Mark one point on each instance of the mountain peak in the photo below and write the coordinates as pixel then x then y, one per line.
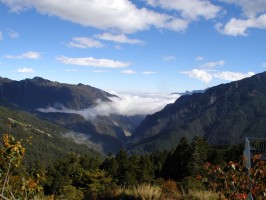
pixel 39 93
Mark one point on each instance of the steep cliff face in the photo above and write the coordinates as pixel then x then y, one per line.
pixel 223 114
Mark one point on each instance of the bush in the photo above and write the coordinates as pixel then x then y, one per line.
pixel 192 184
pixel 170 190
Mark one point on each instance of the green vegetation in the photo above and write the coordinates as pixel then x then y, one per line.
pixel 47 142
pixel 162 175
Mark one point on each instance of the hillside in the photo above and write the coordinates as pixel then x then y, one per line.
pixel 70 102
pixel 223 114
pixel 48 141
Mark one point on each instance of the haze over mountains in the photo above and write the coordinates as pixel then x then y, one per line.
pixel 223 114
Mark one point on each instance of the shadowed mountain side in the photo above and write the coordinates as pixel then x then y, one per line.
pixel 40 93
pixel 223 114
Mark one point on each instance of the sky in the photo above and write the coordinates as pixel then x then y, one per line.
pixel 156 46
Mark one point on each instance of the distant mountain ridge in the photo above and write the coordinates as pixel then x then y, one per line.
pixel 39 93
pixel 223 114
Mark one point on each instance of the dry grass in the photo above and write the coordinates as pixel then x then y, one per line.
pixel 153 192
pixel 143 191
pixel 201 195
pixel 147 192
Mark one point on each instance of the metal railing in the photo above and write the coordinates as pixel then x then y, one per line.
pixel 253 146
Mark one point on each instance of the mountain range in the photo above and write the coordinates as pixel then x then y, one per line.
pixel 223 114
pixel 65 105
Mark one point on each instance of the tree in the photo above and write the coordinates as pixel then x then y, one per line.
pixel 177 165
pixel 199 154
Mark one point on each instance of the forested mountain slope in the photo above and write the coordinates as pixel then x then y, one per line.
pixel 45 142
pixel 223 114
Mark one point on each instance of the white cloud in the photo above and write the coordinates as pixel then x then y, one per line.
pixel 25 70
pixel 169 58
pixel 237 27
pixel 207 76
pixel 92 62
pixel 129 71
pixel 149 72
pixel 12 34
pixel 214 64
pixel 126 104
pixel 84 43
pixel 115 15
pixel 250 8
pixel 119 38
pixel 1 36
pixel 199 58
pixel 263 64
pixel 202 75
pixel 191 9
pixel 232 76
pixel 27 55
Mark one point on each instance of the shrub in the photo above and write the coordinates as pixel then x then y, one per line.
pixel 15 183
pixel 235 181
pixel 170 190
pixel 191 184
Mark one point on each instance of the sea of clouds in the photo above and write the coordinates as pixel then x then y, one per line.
pixel 126 104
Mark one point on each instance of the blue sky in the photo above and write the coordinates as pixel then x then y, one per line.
pixel 137 46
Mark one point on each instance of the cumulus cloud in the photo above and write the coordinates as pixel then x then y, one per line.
pixel 115 15
pixel 27 55
pixel 213 64
pixel 237 27
pixel 25 70
pixel 249 8
pixel 129 71
pixel 85 42
pixel 232 76
pixel 191 9
pixel 119 38
pixel 126 105
pixel 92 62
pixel 207 76
pixel 148 72
pixel 199 74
